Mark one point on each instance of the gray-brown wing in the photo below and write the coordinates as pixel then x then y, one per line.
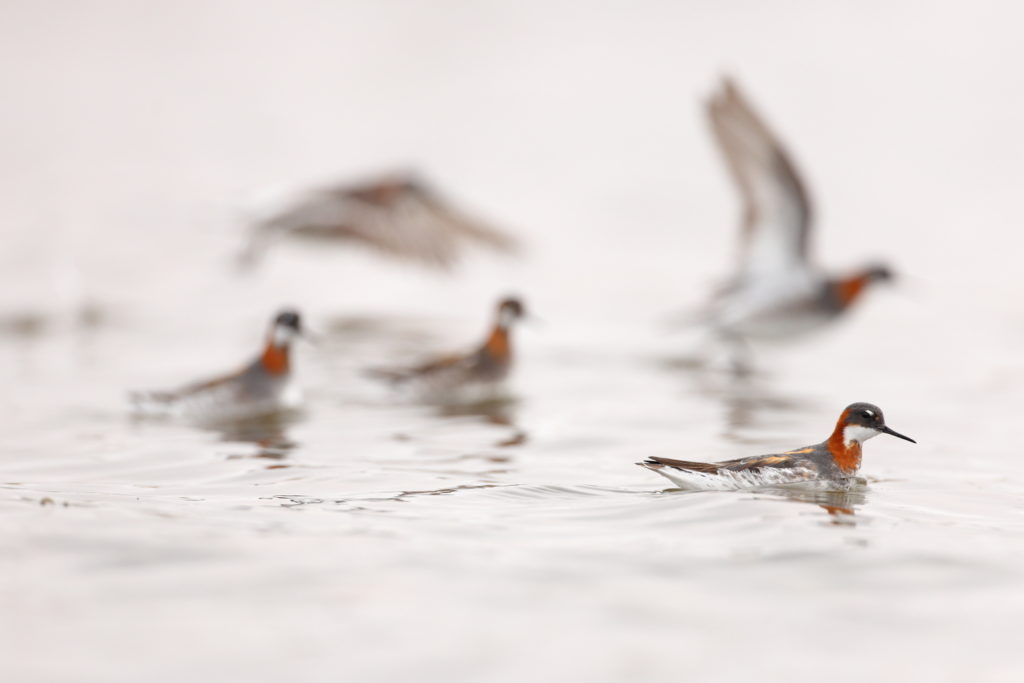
pixel 706 467
pixel 776 207
pixel 226 386
pixel 397 216
pixel 738 465
pixel 433 367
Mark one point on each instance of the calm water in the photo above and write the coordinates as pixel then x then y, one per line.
pixel 366 539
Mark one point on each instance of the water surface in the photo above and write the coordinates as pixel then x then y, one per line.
pixel 369 539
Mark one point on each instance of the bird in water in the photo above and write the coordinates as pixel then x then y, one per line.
pixel 259 388
pixel 476 376
pixel 397 215
pixel 836 460
pixel 776 293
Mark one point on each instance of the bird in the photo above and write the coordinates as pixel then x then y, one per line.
pixel 836 460
pixel 396 214
pixel 476 376
pixel 776 292
pixel 259 388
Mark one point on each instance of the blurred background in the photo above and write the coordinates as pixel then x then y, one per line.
pixel 373 540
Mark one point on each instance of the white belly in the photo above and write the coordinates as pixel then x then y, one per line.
pixel 776 307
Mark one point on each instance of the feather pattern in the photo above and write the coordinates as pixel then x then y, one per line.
pixel 776 207
pixel 398 216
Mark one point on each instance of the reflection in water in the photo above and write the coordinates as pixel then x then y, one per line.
pixel 30 324
pixel 840 504
pixel 22 324
pixel 353 504
pixel 268 433
pixel 745 397
pixel 496 412
pixel 517 439
pixel 480 464
pixel 500 412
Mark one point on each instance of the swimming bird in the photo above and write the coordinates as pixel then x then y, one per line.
pixel 478 375
pixel 259 388
pixel 397 215
pixel 776 291
pixel 837 459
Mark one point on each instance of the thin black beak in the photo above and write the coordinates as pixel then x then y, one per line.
pixel 311 337
pixel 892 432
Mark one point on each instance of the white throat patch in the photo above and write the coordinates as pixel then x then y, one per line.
pixel 505 318
pixel 282 335
pixel 859 434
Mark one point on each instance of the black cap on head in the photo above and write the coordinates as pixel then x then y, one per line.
pixel 512 305
pixel 870 416
pixel 289 318
pixel 880 273
pixel 864 414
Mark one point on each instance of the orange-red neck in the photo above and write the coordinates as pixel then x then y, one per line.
pixel 275 359
pixel 849 289
pixel 846 455
pixel 498 344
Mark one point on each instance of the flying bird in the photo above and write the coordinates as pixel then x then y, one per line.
pixel 776 291
pixel 397 215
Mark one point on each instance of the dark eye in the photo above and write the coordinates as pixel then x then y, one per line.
pixel 868 414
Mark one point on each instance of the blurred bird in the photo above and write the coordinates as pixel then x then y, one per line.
pixel 397 215
pixel 776 292
pixel 836 459
pixel 467 377
pixel 259 388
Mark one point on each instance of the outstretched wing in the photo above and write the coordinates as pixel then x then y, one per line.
pixel 397 216
pixel 776 206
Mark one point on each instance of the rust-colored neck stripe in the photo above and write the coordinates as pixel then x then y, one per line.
pixel 498 345
pixel 847 456
pixel 849 289
pixel 275 359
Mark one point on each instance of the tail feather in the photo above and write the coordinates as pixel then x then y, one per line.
pixel 656 463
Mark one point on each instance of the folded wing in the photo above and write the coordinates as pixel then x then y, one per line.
pixel 753 463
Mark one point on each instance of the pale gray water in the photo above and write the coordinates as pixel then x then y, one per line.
pixel 373 541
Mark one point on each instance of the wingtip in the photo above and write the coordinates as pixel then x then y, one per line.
pixel 724 87
pixel 729 85
pixel 505 243
pixel 713 101
pixel 728 96
pixel 723 97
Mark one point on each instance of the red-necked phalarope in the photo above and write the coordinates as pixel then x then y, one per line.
pixel 397 215
pixel 468 377
pixel 776 293
pixel 257 389
pixel 835 460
